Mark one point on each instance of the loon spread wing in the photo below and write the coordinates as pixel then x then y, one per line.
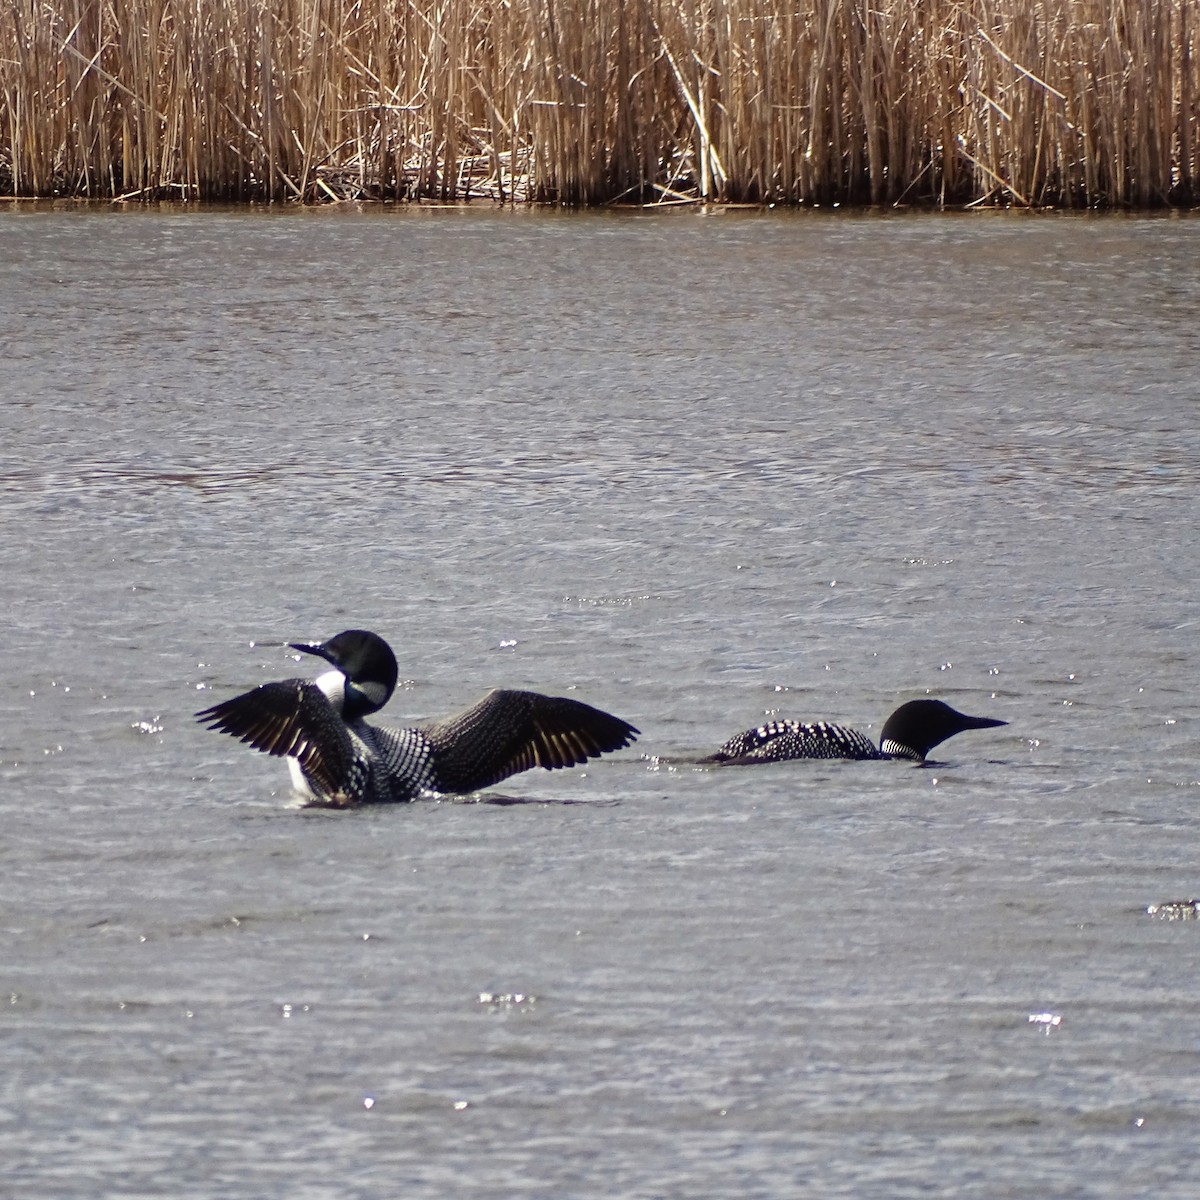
pixel 290 718
pixel 510 731
pixel 780 740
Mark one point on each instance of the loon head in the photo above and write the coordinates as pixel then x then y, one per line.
pixel 916 727
pixel 368 664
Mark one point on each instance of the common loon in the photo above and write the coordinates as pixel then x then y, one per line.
pixel 910 732
pixel 337 759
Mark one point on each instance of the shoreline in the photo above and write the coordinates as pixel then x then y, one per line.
pixel 1069 104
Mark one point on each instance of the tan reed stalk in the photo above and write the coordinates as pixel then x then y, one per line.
pixel 1087 102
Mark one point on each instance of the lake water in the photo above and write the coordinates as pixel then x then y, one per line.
pixel 696 469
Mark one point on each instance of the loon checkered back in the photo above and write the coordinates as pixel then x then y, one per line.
pixel 337 758
pixel 910 732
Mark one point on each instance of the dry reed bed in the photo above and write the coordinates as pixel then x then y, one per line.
pixel 1077 102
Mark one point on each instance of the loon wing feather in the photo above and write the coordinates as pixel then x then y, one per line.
pixel 510 731
pixel 290 718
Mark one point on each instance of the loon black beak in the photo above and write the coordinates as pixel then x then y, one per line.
pixel 984 722
pixel 316 648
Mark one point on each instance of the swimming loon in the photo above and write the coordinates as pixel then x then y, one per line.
pixel 337 759
pixel 910 732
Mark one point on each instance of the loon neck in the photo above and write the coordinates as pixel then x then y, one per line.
pixel 333 684
pixel 352 700
pixel 894 749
